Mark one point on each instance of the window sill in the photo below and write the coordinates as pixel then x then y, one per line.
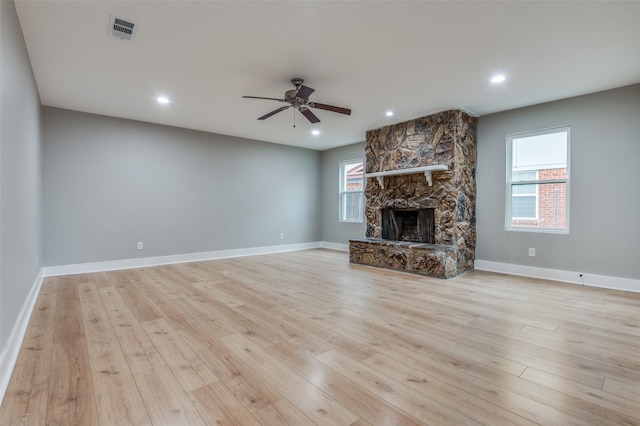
pixel 539 230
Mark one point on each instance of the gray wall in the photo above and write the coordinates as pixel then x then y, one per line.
pixel 20 179
pixel 332 230
pixel 604 235
pixel 109 183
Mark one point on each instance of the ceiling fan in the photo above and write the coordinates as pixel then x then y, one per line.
pixel 298 98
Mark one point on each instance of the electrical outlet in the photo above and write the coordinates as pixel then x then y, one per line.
pixel 140 245
pixel 282 235
pixel 532 252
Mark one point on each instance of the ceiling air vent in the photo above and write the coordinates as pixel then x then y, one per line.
pixel 121 28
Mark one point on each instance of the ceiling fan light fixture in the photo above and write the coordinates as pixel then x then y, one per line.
pixel 162 100
pixel 315 132
pixel 498 78
pixel 389 113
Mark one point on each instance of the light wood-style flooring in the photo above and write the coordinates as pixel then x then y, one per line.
pixel 306 338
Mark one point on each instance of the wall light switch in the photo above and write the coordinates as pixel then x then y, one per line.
pixel 532 252
pixel 140 245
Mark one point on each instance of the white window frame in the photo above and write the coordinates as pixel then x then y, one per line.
pixel 509 181
pixel 342 192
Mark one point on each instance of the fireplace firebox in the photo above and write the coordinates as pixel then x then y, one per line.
pixel 408 225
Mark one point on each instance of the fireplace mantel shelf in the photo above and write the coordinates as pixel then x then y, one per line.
pixel 424 169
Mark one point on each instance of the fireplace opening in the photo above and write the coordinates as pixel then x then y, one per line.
pixel 408 225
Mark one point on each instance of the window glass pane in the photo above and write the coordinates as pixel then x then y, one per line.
pixel 545 210
pixel 524 206
pixel 352 191
pixel 353 204
pixel 353 177
pixel 540 152
pixel 528 175
pixel 524 189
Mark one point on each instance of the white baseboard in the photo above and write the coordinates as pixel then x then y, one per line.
pixel 334 246
pixel 593 280
pixel 83 268
pixel 10 353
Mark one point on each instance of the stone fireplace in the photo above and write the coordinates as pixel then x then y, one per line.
pixel 420 196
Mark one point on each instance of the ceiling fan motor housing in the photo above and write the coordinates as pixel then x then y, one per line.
pixel 290 95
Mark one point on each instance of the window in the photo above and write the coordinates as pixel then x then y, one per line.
pixel 351 191
pixel 537 196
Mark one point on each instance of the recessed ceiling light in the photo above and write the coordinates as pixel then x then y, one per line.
pixel 315 132
pixel 498 78
pixel 162 100
pixel 389 113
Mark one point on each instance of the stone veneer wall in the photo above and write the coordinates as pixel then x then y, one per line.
pixel 447 138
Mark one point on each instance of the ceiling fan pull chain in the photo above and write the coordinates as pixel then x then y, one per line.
pixel 294 117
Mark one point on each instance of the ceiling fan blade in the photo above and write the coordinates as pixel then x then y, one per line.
pixel 332 108
pixel 310 116
pixel 260 97
pixel 304 92
pixel 274 112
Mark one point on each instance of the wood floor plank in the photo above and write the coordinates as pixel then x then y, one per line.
pixel 349 347
pixel 539 405
pixel 202 312
pixel 137 302
pixel 185 364
pixel 320 409
pixel 455 398
pixel 612 406
pixel 105 354
pixel 71 399
pixel 166 402
pixel 218 406
pixel 219 295
pixel 361 422
pixel 141 355
pixel 35 419
pixel 508 346
pixel 245 291
pixel 551 401
pixel 282 413
pixel 249 388
pixel 26 396
pixel 295 335
pixel 307 338
pixel 579 345
pixel 396 393
pixel 628 389
pixel 360 401
pixel 118 401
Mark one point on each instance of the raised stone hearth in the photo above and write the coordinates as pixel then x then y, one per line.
pixel 427 259
pixel 440 241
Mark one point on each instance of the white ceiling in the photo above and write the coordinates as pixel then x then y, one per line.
pixel 414 58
